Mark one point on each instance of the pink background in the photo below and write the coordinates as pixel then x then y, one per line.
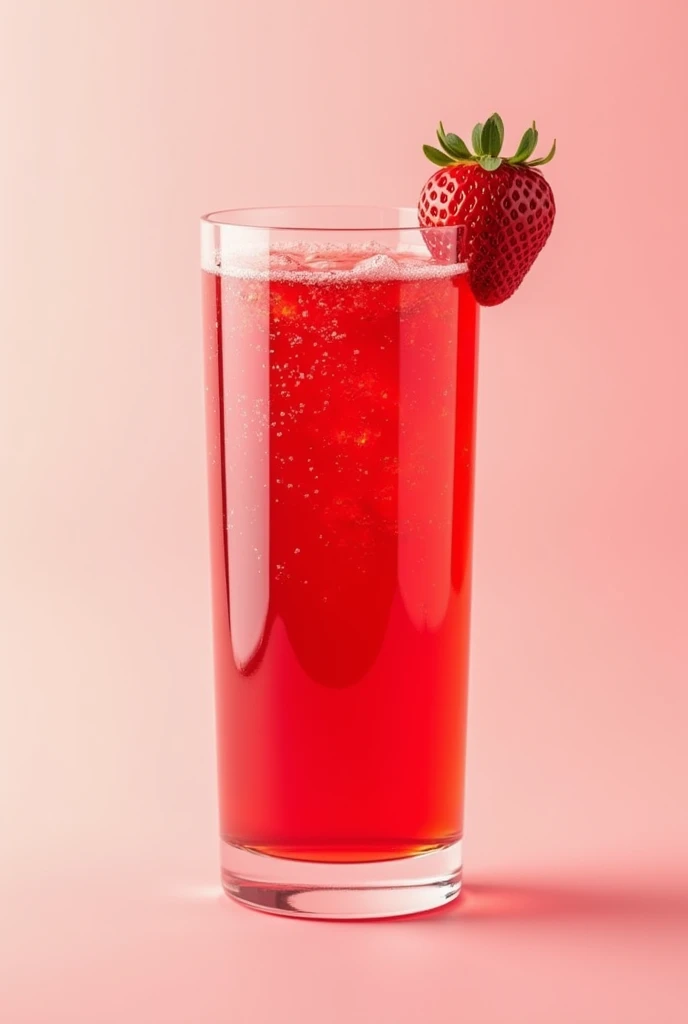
pixel 121 123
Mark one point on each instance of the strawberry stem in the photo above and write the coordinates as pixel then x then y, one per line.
pixel 487 140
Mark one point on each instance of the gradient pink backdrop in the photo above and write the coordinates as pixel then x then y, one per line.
pixel 121 123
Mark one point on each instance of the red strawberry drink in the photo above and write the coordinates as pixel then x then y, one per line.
pixel 341 408
pixel 340 369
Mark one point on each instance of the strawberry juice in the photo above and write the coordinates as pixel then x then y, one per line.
pixel 340 410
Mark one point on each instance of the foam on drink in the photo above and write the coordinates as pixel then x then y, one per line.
pixel 329 264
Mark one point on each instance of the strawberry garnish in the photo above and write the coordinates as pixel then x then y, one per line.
pixel 505 206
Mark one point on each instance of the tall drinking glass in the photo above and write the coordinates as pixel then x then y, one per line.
pixel 340 351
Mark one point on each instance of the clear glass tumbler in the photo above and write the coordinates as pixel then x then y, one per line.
pixel 340 349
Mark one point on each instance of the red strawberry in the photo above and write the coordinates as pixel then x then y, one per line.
pixel 505 207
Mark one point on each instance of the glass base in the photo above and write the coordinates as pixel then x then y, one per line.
pixel 299 888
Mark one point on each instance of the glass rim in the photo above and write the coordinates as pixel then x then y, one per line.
pixel 260 218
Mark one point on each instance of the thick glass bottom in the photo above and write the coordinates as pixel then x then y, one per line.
pixel 383 888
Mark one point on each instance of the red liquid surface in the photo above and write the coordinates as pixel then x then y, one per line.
pixel 340 427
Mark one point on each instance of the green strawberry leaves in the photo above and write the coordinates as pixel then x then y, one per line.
pixel 491 137
pixel 545 159
pixel 487 140
pixel 525 147
pixel 441 159
pixel 453 145
pixel 500 128
pixel 491 141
